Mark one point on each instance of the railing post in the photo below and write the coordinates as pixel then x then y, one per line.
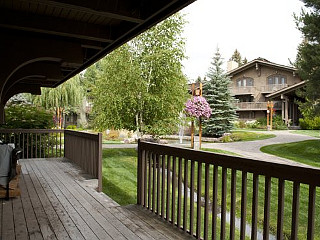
pixel 99 162
pixel 139 174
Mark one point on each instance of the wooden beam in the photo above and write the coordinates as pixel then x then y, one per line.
pixel 54 26
pixel 125 11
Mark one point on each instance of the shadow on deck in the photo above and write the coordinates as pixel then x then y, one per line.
pixel 58 203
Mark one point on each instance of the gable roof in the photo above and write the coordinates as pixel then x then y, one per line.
pixel 260 62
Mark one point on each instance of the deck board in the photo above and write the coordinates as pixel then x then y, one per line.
pixel 58 202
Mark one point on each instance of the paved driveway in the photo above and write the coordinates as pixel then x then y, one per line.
pixel 251 149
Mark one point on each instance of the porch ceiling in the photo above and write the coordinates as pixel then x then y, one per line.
pixel 45 42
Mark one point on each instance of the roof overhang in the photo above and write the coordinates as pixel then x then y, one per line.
pixel 45 42
pixel 261 62
pixel 286 90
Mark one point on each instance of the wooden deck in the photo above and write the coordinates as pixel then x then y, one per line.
pixel 57 202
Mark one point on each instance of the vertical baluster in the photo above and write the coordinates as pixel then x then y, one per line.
pixel 199 200
pixel 185 196
pixel 56 134
pixel 149 181
pixel 311 211
pixel 36 145
pixel 280 209
pixel 163 185
pixel 145 190
pixel 158 184
pixel 31 145
pixel 179 192
pixel 141 176
pixel 192 198
pixel 52 152
pixel 23 145
pixel 215 202
pixel 173 211
pixel 28 135
pixel 40 145
pixel 168 187
pixel 266 221
pixel 223 203
pixel 60 144
pixel 243 206
pixel 255 193
pixel 295 210
pixel 206 199
pixel 233 203
pixel 154 158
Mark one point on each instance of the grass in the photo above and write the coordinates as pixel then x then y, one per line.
pixel 250 136
pixel 307 152
pixel 120 181
pixel 120 175
pixel 220 151
pixel 312 133
pixel 111 142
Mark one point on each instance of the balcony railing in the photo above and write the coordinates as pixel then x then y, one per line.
pixel 256 106
pixel 272 87
pixel 84 149
pixel 205 194
pixel 242 90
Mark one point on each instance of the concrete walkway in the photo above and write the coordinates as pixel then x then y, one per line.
pixel 251 149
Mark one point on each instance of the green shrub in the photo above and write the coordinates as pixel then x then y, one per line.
pixel 310 124
pixel 277 123
pixel 27 116
pixel 72 127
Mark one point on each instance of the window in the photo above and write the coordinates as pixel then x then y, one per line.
pixel 245 82
pixel 277 79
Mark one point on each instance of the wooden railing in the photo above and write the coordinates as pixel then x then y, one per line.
pixel 242 90
pixel 272 87
pixel 35 143
pixel 85 149
pixel 217 196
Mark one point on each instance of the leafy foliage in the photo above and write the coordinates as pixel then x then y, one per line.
pixel 26 116
pixel 310 123
pixel 140 86
pixel 216 91
pixel 308 57
pixel 62 99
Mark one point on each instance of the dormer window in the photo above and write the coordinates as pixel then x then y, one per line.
pixel 244 82
pixel 277 80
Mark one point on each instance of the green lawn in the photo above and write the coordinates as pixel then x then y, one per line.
pixel 220 151
pixel 120 181
pixel 250 136
pixel 312 133
pixel 307 152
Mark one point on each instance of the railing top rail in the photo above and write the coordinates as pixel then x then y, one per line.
pixel 302 174
pixel 31 130
pixel 93 136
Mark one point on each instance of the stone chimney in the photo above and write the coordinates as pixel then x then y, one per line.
pixel 231 65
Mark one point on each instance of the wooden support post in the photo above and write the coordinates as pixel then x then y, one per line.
pixel 200 133
pixel 271 113
pixel 192 134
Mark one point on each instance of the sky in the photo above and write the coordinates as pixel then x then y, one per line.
pixel 257 28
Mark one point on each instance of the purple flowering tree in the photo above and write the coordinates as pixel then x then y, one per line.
pixel 197 107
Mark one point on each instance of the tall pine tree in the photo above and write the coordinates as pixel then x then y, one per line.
pixel 308 57
pixel 216 91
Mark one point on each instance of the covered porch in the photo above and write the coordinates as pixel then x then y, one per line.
pixel 59 202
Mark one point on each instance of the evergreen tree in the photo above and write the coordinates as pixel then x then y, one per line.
pixel 308 57
pixel 216 92
pixel 236 56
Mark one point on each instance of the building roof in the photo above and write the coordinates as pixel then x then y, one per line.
pixel 261 62
pixel 286 90
pixel 45 42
